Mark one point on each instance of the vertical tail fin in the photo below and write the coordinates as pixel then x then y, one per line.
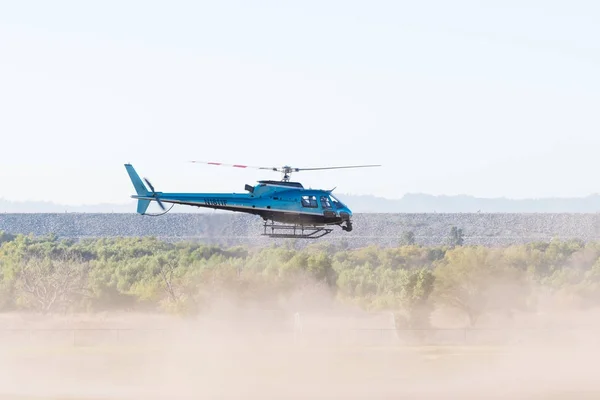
pixel 142 206
pixel 138 184
pixel 140 189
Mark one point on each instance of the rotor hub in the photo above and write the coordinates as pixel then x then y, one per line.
pixel 287 171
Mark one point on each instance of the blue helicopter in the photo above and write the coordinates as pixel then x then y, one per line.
pixel 287 208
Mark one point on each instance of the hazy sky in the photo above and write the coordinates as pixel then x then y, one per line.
pixel 494 98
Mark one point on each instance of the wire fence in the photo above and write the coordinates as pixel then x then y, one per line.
pixel 459 336
pixel 299 335
pixel 80 336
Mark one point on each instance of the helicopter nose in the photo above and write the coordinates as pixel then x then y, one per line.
pixel 345 214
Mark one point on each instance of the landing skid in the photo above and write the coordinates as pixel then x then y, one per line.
pixel 295 231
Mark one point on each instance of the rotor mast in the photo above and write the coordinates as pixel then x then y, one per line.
pixel 287 171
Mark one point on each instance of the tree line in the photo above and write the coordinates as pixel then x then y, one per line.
pixel 47 274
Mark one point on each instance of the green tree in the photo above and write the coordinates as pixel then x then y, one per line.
pixel 475 280
pixel 415 297
pixel 53 284
pixel 456 237
pixel 407 239
pixel 5 237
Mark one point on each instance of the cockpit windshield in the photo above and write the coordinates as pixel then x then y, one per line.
pixel 336 202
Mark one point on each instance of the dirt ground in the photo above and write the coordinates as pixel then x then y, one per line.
pixel 301 373
pixel 231 364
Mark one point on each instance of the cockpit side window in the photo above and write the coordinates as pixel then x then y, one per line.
pixel 325 204
pixel 336 202
pixel 309 201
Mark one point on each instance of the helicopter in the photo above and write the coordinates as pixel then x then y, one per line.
pixel 288 208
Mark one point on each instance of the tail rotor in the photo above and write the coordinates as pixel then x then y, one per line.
pixel 154 194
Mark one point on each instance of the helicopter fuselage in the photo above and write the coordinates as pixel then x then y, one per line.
pixel 284 202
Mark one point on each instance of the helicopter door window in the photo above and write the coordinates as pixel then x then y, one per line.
pixel 336 202
pixel 325 202
pixel 309 201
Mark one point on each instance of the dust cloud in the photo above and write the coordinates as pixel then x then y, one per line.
pixel 233 351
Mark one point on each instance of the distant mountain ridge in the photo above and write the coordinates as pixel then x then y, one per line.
pixel 409 203
pixel 424 203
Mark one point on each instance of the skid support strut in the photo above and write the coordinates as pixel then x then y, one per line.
pixel 295 231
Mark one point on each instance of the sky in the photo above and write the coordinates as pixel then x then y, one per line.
pixel 490 99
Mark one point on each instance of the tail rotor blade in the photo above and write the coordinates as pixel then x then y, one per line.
pixel 160 203
pixel 149 185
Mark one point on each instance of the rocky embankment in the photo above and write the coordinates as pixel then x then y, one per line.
pixel 380 229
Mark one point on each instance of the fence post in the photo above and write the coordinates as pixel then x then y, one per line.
pixel 395 330
pixel 297 326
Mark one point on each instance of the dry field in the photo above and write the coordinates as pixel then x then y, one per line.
pixel 187 362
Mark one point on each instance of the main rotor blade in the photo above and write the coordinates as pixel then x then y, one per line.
pixel 234 165
pixel 347 166
pixel 285 169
